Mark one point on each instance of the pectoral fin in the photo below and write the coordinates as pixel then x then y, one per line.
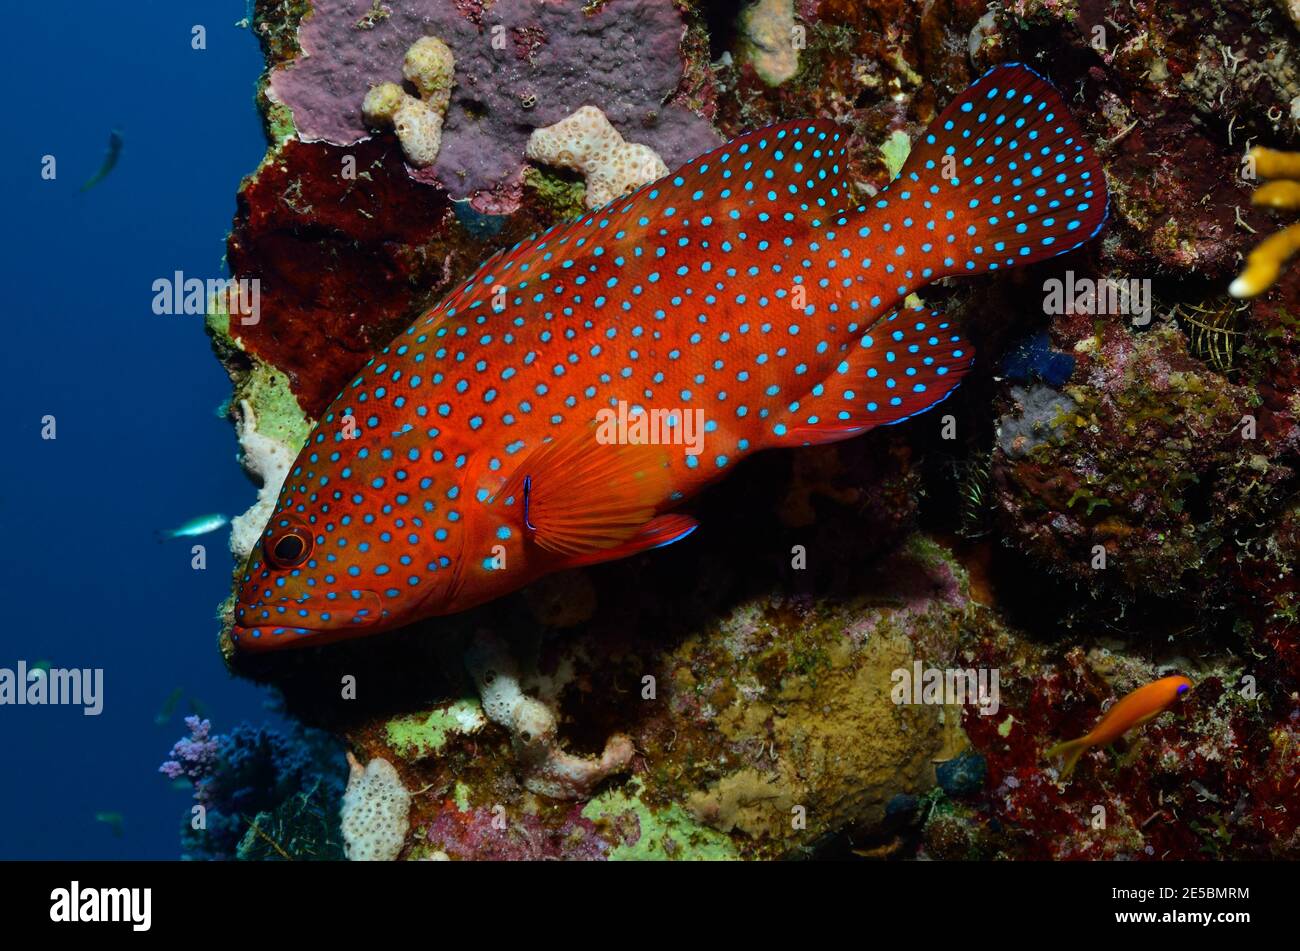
pixel 656 533
pixel 583 497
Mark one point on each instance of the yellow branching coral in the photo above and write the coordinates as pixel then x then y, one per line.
pixel 1264 264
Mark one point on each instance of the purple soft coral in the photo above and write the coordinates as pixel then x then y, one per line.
pixel 528 64
pixel 194 758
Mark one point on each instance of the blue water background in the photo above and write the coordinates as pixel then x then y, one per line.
pixel 139 447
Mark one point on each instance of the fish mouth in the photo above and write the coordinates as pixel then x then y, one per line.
pixel 359 612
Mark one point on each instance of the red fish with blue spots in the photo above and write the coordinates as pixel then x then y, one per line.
pixel 473 454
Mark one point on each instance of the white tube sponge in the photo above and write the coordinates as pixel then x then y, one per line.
pixel 430 67
pixel 376 812
pixel 546 769
pixel 586 143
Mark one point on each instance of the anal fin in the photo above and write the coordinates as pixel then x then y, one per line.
pixel 904 364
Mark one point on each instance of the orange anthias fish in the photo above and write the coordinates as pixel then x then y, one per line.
pixel 555 409
pixel 1136 709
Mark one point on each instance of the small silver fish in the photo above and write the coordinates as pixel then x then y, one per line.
pixel 199 525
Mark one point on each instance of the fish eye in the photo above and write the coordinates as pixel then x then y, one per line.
pixel 288 548
pixel 1182 689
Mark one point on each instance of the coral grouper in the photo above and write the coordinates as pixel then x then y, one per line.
pixel 742 293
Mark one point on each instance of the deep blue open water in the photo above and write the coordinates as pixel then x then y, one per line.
pixel 139 446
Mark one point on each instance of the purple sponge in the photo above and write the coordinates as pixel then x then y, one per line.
pixel 623 59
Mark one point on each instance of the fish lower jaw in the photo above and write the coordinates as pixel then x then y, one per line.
pixel 274 637
pixel 353 621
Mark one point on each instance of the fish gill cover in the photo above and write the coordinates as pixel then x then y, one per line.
pixel 835 663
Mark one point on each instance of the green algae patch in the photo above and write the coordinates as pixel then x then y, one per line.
pixel 279 125
pixel 217 322
pixel 416 737
pixel 668 832
pixel 895 151
pixel 461 796
pixel 563 197
pixel 279 416
pixel 267 390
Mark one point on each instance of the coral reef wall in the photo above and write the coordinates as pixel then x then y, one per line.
pixel 1111 495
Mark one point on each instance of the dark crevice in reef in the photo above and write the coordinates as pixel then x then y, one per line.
pixel 721 17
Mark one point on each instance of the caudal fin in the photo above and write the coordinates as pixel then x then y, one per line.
pixel 1003 177
pixel 1069 753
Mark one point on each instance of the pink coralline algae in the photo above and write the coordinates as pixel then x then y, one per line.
pixel 481 835
pixel 520 65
